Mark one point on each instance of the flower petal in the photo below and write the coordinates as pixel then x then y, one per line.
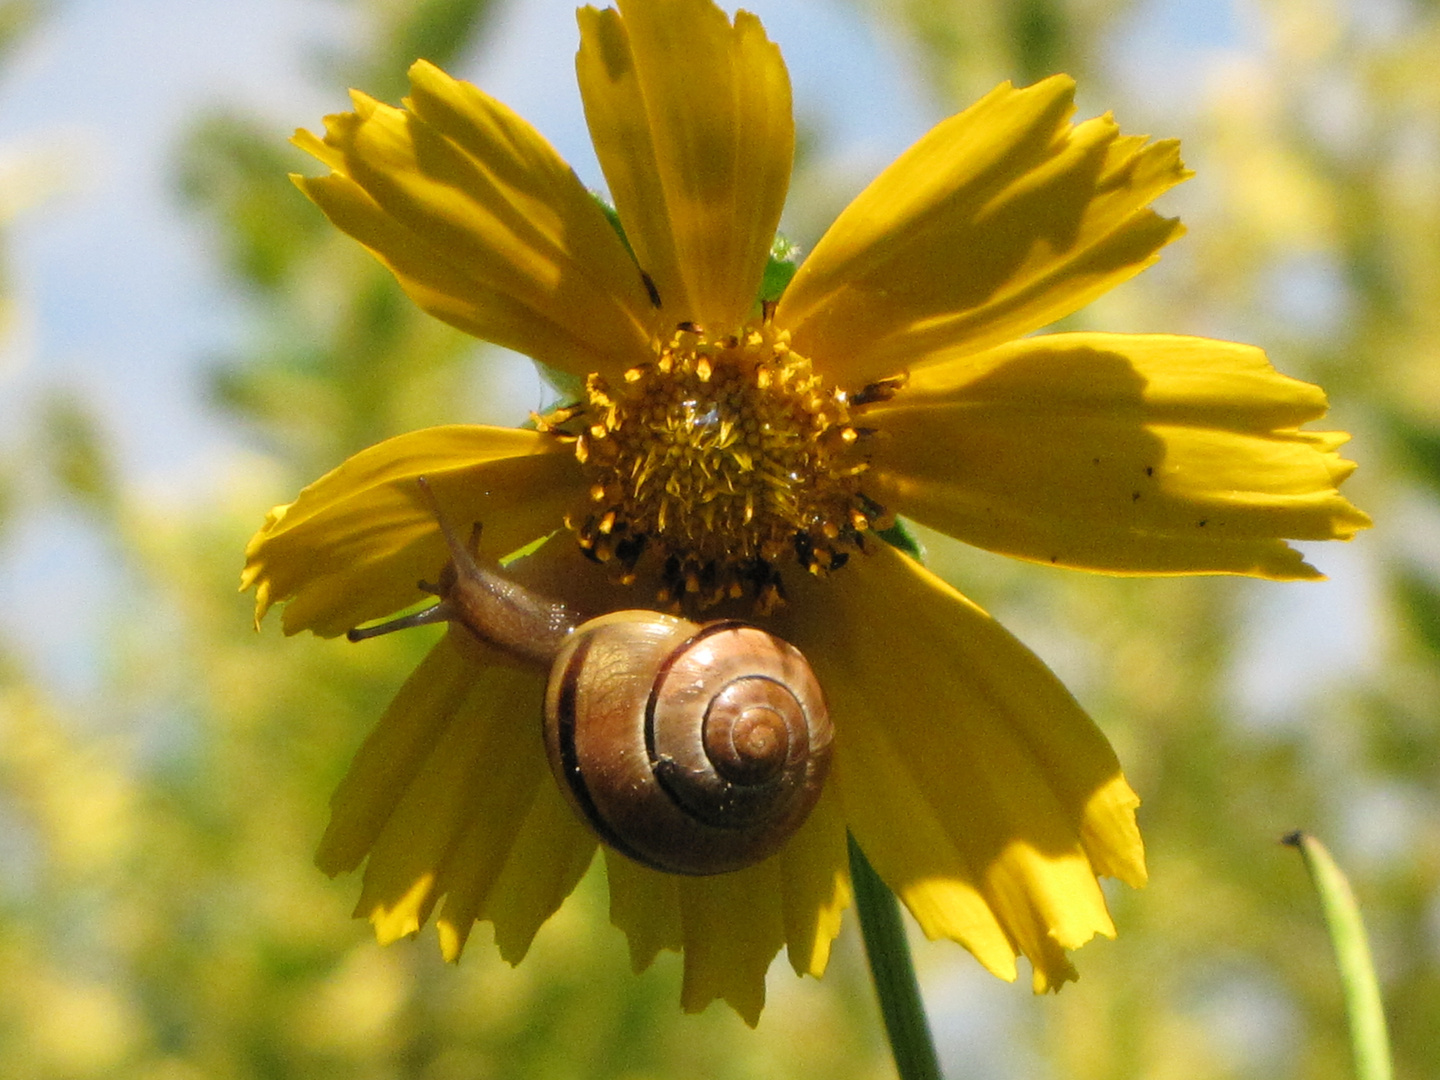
pixel 1001 220
pixel 451 794
pixel 731 925
pixel 978 788
pixel 355 542
pixel 483 224
pixel 691 121
pixel 645 906
pixel 547 858
pixel 1144 454
pixel 815 884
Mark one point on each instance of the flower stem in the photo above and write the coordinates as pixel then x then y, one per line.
pixel 893 972
pixel 1368 1039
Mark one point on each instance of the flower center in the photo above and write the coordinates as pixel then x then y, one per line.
pixel 727 456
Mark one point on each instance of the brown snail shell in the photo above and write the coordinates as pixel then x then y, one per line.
pixel 693 749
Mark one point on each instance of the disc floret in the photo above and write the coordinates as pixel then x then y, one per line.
pixel 725 457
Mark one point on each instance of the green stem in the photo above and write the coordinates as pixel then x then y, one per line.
pixel 893 972
pixel 1368 1038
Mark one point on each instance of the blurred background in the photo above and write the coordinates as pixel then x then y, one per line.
pixel 184 342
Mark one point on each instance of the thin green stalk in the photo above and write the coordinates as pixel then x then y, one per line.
pixel 893 972
pixel 1368 1038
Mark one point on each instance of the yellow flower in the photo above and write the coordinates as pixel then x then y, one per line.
pixel 725 449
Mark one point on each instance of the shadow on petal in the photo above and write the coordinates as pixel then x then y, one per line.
pixel 1046 215
pixel 979 789
pixel 353 544
pixel 1141 454
pixel 730 926
pixel 451 796
pixel 482 223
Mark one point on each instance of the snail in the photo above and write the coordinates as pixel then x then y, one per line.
pixel 693 749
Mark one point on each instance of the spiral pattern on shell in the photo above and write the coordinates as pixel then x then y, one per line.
pixel 691 749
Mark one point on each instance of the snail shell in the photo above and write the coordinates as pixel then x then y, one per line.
pixel 693 749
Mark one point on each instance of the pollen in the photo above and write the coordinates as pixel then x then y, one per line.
pixel 726 460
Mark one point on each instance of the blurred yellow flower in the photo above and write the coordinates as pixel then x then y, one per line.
pixel 722 449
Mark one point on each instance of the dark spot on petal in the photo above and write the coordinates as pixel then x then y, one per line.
pixel 1204 522
pixel 1149 470
pixel 883 390
pixel 1134 496
pixel 650 288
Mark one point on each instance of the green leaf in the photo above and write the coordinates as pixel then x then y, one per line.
pixel 436 30
pixel 77 453
pixel 1421 446
pixel 237 170
pixel 1419 596
pixel 17 20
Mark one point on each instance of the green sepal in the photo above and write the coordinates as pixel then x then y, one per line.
pixel 780 267
pixel 900 536
pixel 613 217
pixel 528 549
pixel 568 386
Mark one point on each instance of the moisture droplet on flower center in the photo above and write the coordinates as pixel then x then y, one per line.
pixel 726 457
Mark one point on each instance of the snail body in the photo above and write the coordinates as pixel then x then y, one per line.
pixel 691 748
